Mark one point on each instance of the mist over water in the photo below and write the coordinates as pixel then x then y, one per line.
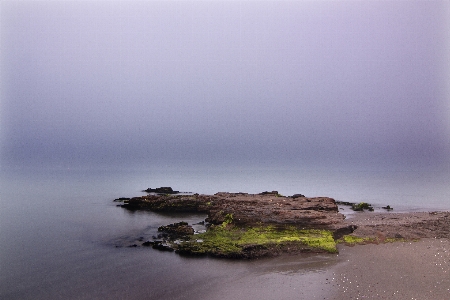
pixel 224 82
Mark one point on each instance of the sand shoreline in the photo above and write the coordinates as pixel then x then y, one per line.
pixel 418 268
pixel 400 270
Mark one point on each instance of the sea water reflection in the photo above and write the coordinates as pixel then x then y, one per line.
pixel 60 228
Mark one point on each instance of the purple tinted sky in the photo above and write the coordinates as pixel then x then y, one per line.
pixel 220 82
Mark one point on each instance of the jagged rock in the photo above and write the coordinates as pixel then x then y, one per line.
pixel 177 230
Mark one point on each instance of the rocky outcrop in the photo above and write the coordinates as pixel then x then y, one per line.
pixel 249 209
pixel 241 225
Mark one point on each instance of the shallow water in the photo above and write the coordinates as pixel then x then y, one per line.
pixel 62 236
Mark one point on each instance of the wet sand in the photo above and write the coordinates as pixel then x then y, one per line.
pixel 401 270
pixel 417 269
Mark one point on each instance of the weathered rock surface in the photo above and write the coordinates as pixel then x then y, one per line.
pixel 413 225
pixel 267 208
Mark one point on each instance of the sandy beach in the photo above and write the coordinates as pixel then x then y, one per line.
pixel 413 269
pixel 417 269
pixel 401 270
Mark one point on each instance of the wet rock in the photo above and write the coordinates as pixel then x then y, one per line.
pixel 121 199
pixel 162 246
pixel 177 230
pixel 340 232
pixel 362 206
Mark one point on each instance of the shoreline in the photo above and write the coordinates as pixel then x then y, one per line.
pixel 248 226
pixel 402 270
pixel 409 226
pixel 389 255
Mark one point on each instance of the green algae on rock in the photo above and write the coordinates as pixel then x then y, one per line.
pixel 264 240
pixel 242 225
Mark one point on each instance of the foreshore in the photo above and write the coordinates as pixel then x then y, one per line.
pixel 241 225
pixel 385 255
pixel 401 270
pixel 416 268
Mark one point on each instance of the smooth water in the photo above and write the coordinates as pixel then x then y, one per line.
pixel 62 236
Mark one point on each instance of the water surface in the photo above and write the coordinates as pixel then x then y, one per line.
pixel 62 236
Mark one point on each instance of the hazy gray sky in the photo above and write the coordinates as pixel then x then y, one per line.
pixel 224 81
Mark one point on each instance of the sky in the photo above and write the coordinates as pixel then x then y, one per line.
pixel 224 82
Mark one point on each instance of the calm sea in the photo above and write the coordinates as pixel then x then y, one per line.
pixel 62 236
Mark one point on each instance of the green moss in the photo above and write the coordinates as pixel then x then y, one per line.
pixel 393 240
pixel 232 241
pixel 354 240
pixel 228 219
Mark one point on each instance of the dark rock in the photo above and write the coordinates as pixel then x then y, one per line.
pixel 177 230
pixel 121 199
pixel 345 203
pixel 147 244
pixel 388 207
pixel 162 236
pixel 339 233
pixel 161 246
pixel 362 206
pixel 297 196
pixel 162 190
pixel 274 193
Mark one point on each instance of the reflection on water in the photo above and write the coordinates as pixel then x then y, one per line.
pixel 296 264
pixel 60 229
